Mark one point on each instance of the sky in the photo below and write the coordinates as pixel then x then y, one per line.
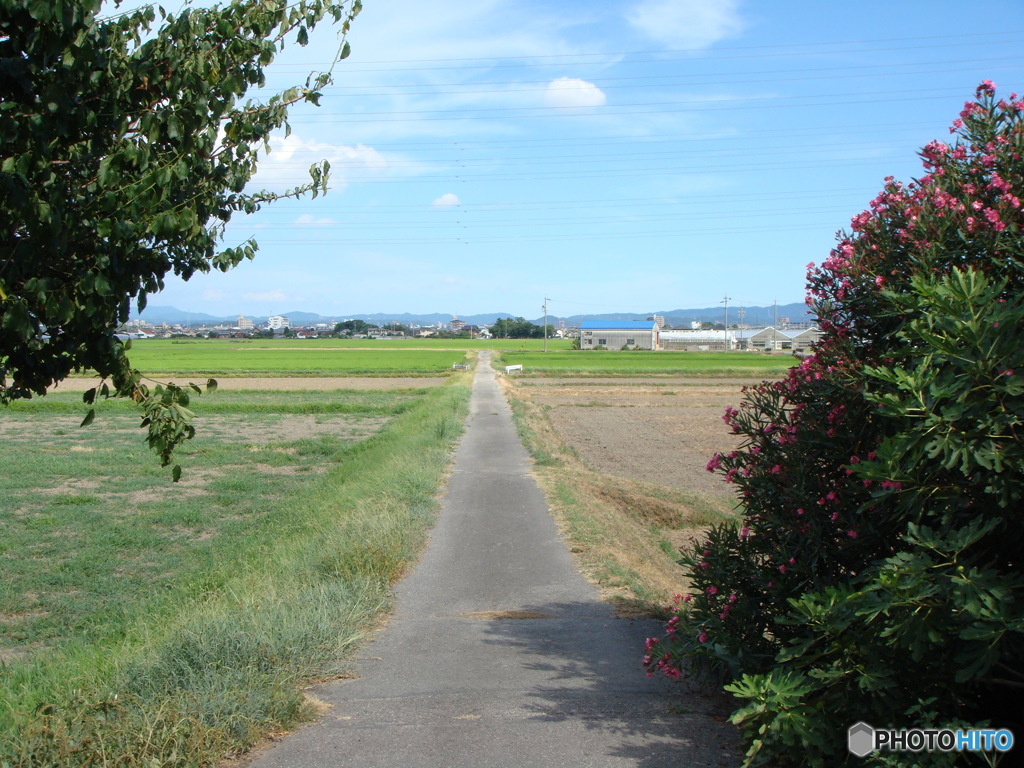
pixel 598 155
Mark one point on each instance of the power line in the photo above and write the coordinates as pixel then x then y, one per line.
pixel 719 53
pixel 603 82
pixel 615 110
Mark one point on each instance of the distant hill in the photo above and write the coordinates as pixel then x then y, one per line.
pixel 175 316
pixel 796 312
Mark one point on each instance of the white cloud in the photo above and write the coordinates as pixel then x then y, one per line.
pixel 266 296
pixel 308 220
pixel 447 200
pixel 213 295
pixel 573 92
pixel 687 23
pixel 287 164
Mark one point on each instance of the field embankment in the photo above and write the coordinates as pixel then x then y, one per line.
pixel 149 623
pixel 605 363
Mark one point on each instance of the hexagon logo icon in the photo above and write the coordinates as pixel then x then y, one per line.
pixel 860 739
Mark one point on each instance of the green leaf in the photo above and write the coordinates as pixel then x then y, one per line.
pixel 176 473
pixel 88 418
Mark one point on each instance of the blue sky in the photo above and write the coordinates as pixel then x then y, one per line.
pixel 609 156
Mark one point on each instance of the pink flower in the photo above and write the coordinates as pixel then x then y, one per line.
pixel 985 87
pixel 852 534
pixel 712 590
pixel 702 637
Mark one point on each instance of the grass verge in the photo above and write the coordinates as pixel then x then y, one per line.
pixel 625 533
pixel 214 655
pixel 639 363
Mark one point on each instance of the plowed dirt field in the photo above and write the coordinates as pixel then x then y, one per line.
pixel 661 430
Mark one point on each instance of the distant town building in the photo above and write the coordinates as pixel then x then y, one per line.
pixel 244 323
pixel 456 325
pixel 278 323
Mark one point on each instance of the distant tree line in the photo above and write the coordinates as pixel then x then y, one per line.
pixel 518 328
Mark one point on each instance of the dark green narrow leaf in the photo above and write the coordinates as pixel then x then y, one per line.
pixel 88 418
pixel 176 473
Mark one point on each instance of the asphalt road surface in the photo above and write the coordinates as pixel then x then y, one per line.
pixel 499 652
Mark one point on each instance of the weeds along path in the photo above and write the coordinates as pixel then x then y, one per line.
pixel 500 653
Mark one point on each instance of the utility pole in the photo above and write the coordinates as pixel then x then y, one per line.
pixel 775 326
pixel 726 339
pixel 546 300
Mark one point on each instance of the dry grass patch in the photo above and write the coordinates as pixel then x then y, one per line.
pixel 275 428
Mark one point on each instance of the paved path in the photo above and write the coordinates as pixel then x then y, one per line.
pixel 500 653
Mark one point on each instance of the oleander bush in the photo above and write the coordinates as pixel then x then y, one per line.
pixel 877 572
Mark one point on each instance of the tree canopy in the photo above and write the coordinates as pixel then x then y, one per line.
pixel 125 149
pixel 518 328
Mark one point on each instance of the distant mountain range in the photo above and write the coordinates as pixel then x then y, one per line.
pixel 796 312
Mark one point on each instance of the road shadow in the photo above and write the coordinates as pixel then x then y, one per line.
pixel 586 664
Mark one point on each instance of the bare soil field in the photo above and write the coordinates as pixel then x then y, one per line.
pixel 660 430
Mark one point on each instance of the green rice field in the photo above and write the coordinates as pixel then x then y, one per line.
pixel 288 357
pixel 427 357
